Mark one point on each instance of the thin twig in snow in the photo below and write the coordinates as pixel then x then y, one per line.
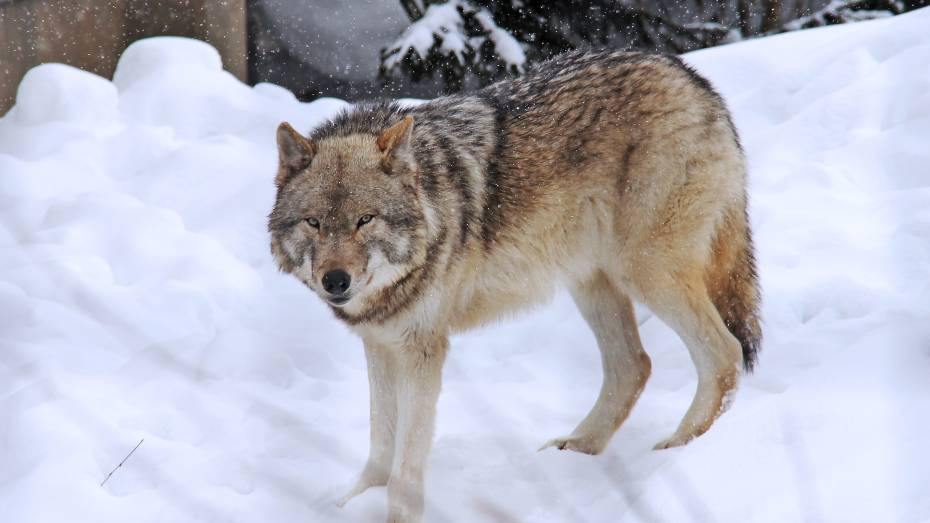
pixel 121 462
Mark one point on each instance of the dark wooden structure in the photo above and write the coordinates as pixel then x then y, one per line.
pixel 91 34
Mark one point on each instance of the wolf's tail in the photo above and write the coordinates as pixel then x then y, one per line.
pixel 733 284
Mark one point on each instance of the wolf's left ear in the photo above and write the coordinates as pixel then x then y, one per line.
pixel 396 136
pixel 294 153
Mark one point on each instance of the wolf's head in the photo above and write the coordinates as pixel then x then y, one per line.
pixel 347 220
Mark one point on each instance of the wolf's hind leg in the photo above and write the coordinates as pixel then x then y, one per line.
pixel 383 403
pixel 609 312
pixel 682 302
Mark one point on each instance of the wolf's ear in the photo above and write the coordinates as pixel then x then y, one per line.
pixel 396 136
pixel 294 152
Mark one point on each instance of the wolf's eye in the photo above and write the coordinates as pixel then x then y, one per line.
pixel 313 222
pixel 364 219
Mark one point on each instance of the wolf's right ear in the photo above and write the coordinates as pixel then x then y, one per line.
pixel 294 153
pixel 396 136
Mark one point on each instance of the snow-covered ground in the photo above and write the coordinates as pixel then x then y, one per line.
pixel 138 300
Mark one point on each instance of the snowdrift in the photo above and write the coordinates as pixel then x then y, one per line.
pixel 138 300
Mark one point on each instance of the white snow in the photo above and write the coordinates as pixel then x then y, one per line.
pixel 48 94
pixel 138 299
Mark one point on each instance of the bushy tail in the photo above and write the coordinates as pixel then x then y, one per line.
pixel 733 284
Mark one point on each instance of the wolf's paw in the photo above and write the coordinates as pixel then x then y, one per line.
pixel 356 490
pixel 373 475
pixel 360 487
pixel 674 441
pixel 581 444
pixel 341 502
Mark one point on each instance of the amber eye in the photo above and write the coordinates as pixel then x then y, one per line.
pixel 313 222
pixel 364 219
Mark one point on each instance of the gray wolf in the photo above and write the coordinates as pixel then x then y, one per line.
pixel 617 175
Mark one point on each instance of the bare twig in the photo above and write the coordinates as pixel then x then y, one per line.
pixel 121 462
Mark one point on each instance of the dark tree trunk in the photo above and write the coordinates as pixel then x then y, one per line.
pixel 771 15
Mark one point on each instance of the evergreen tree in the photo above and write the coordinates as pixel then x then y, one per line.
pixel 475 42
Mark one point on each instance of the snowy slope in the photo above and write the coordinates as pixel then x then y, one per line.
pixel 138 300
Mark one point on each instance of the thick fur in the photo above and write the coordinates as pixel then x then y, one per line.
pixel 617 175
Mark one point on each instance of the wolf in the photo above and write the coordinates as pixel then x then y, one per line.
pixel 617 175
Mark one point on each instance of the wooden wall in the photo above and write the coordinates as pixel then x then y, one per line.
pixel 91 34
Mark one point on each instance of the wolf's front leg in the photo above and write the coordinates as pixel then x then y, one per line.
pixel 383 402
pixel 419 378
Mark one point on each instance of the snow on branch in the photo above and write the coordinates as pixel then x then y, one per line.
pixel 451 37
pixel 441 21
pixel 505 45
pixel 844 11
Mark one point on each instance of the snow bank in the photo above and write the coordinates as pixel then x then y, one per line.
pixel 138 300
pixel 165 56
pixel 61 93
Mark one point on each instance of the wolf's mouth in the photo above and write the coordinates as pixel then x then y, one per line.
pixel 338 301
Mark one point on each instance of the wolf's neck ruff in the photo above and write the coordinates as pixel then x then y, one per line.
pixel 400 295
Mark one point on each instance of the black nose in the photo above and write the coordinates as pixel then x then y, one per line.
pixel 336 282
